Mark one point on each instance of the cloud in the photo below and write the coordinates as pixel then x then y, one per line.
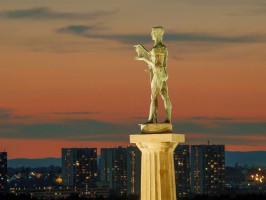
pixel 198 129
pixel 73 129
pixel 246 128
pixel 88 32
pixel 201 37
pixel 224 131
pixel 44 13
pixel 222 128
pixel 230 133
pixel 5 113
pixel 76 29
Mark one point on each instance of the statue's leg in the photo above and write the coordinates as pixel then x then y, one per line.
pixel 155 114
pixel 167 102
pixel 154 102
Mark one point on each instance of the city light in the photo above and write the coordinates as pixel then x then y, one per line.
pixel 257 178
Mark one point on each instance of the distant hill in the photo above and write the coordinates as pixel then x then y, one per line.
pixel 258 158
pixel 33 163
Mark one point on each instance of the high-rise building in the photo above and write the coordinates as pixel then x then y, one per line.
pixel 207 169
pixel 79 167
pixel 3 172
pixel 106 166
pixel 133 170
pixel 113 170
pixel 182 171
pixel 120 167
pixel 120 170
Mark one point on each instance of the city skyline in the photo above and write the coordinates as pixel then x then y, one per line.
pixel 69 78
pixel 117 172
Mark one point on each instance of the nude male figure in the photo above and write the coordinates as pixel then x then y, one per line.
pixel 157 61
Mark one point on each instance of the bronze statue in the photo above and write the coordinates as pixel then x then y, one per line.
pixel 157 62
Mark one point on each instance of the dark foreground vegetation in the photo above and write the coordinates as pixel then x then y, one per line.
pixel 134 197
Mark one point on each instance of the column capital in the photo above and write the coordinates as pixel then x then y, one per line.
pixel 157 138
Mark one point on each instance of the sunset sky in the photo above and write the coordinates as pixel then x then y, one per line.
pixel 68 77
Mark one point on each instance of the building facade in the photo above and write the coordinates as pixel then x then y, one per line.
pixel 207 169
pixel 182 171
pixel 133 170
pixel 120 168
pixel 79 167
pixel 3 172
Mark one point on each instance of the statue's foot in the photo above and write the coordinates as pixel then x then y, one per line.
pixel 149 122
pixel 166 121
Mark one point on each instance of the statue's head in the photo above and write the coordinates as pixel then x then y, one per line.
pixel 157 33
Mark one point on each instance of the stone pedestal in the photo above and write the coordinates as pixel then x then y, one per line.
pixel 156 128
pixel 157 164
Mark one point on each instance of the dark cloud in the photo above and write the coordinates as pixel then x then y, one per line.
pixel 223 132
pixel 189 127
pixel 200 37
pixel 227 132
pixel 223 128
pixel 88 32
pixel 76 29
pixel 197 129
pixel 244 128
pixel 43 13
pixel 91 32
pixel 82 129
pixel 5 113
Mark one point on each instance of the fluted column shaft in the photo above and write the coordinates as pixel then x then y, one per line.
pixel 157 165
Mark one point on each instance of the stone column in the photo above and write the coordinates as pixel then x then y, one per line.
pixel 157 162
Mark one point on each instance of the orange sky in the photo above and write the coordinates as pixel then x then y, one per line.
pixel 67 72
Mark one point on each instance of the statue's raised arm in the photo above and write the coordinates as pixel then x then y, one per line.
pixel 157 61
pixel 142 52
